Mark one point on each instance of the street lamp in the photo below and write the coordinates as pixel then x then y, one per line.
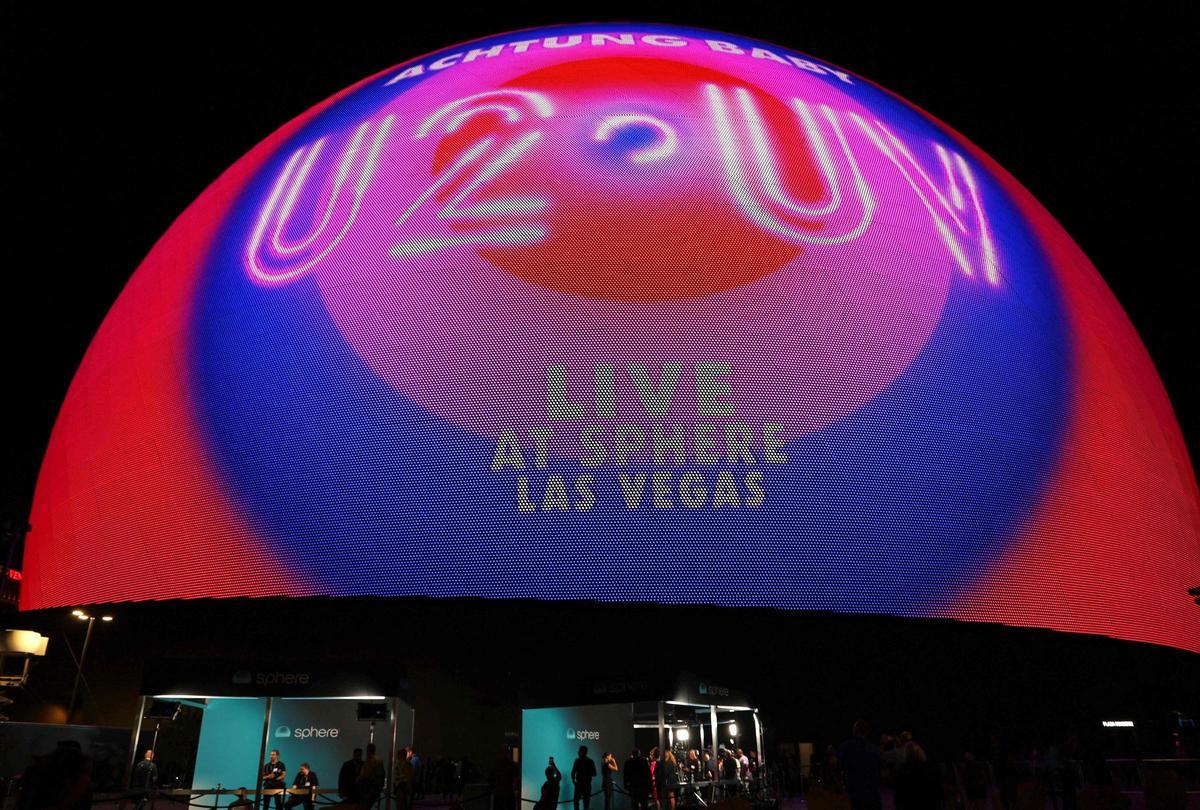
pixel 83 616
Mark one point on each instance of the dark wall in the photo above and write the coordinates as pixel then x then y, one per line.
pixel 468 662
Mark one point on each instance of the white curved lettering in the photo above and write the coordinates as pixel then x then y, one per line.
pixel 754 181
pixel 279 261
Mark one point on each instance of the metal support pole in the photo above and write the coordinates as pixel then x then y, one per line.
pixel 262 753
pixel 91 620
pixel 394 710
pixel 701 746
pixel 134 740
pixel 762 756
pixel 662 737
pixel 712 717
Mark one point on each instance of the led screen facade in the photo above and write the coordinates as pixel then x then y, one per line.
pixel 624 313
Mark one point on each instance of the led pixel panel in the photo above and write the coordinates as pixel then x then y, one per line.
pixel 630 313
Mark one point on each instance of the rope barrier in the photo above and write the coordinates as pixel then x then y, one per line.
pixel 445 803
pixel 563 801
pixel 325 796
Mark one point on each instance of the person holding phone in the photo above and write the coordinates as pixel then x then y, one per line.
pixel 608 768
pixel 550 788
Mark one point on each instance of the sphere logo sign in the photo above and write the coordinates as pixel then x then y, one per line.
pixel 560 313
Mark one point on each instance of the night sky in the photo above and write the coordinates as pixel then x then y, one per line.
pixel 112 125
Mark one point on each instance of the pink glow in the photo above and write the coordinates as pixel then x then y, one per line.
pixel 895 149
pixel 450 222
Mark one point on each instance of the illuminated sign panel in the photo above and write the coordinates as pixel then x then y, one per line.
pixel 552 313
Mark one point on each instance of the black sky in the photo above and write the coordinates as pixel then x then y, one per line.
pixel 112 123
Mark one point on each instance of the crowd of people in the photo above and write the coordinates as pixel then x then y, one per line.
pixel 865 772
pixel 858 773
pixel 654 781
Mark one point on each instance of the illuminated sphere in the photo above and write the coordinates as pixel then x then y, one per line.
pixel 623 313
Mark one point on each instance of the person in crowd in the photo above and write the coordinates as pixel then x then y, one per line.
pixel 667 775
pixel 727 770
pixel 417 786
pixel 743 765
pixel 504 782
pixel 240 802
pixel 637 781
pixel 694 771
pixel 976 782
pixel 608 769
pixel 859 760
pixel 274 777
pixel 347 784
pixel 708 769
pixel 306 780
pixel 460 770
pixel 828 771
pixel 582 774
pixel 919 784
pixel 791 776
pixel 892 756
pixel 403 777
pixel 653 759
pixel 550 788
pixel 370 778
pixel 61 780
pixel 145 778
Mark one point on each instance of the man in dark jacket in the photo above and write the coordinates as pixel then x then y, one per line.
pixel 145 779
pixel 727 769
pixel 860 760
pixel 306 780
pixel 348 777
pixel 637 781
pixel 582 774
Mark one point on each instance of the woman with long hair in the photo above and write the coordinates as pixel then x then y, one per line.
pixel 668 780
pixel 608 767
pixel 653 756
